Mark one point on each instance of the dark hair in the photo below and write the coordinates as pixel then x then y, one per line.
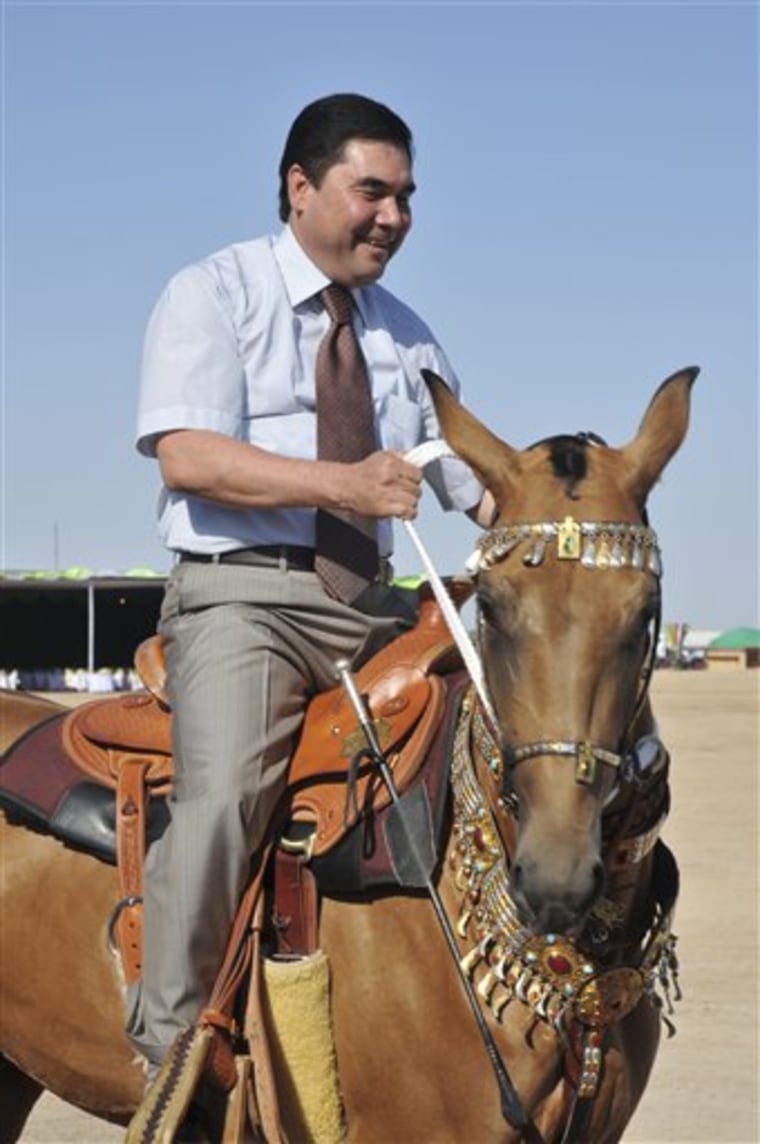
pixel 321 131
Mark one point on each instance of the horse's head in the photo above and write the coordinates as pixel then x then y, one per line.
pixel 568 599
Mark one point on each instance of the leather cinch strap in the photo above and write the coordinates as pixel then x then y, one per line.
pixel 243 952
pixel 130 850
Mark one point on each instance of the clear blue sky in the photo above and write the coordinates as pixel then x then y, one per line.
pixel 586 224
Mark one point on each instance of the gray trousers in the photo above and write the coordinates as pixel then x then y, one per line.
pixel 246 647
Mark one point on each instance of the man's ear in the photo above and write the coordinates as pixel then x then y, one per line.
pixel 299 188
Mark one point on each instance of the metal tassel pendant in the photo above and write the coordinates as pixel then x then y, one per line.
pixel 637 557
pixel 603 555
pixel 536 554
pixel 505 545
pixel 588 556
pixel 470 960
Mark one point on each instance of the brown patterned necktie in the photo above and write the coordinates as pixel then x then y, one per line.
pixel 346 557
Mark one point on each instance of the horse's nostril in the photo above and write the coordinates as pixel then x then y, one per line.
pixel 600 878
pixel 517 875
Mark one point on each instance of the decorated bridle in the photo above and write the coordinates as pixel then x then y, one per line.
pixel 595 545
pixel 550 973
pixel 564 987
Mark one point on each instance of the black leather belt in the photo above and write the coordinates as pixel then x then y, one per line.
pixel 291 557
pixel 285 556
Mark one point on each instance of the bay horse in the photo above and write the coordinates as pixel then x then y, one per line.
pixel 556 884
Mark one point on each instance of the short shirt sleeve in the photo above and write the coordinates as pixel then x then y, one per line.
pixel 192 375
pixel 452 480
pixel 454 483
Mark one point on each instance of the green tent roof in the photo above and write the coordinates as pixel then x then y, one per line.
pixel 736 638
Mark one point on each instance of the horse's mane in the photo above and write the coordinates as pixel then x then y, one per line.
pixel 567 456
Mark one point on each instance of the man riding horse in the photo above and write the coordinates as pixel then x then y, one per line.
pixel 281 389
pixel 547 862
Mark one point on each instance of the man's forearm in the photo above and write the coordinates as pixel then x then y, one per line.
pixel 218 468
pixel 221 469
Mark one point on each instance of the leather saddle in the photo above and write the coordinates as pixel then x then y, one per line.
pixel 401 686
pixel 124 744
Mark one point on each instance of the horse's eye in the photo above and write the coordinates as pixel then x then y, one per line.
pixel 496 604
pixel 486 606
pixel 650 610
pixel 639 629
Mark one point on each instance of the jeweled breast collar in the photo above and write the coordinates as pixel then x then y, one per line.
pixel 562 984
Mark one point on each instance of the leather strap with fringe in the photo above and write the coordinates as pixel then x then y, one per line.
pixel 166 1102
pixel 205 1051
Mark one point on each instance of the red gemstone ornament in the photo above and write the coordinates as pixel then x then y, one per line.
pixel 559 964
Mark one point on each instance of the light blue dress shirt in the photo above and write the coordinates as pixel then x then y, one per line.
pixel 231 346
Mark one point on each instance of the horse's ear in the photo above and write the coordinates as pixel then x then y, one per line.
pixel 491 459
pixel 661 432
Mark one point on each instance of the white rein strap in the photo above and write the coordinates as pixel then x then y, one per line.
pixel 421 456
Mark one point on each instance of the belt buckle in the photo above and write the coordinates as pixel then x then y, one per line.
pixel 385 572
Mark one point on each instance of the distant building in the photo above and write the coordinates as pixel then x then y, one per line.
pixel 738 647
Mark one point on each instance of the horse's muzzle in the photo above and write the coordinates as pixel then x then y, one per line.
pixel 556 905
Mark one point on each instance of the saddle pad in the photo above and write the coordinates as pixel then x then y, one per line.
pixel 35 774
pixel 41 788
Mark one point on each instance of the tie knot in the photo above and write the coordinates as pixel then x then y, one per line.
pixel 338 303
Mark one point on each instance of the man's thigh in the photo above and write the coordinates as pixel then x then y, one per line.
pixel 238 694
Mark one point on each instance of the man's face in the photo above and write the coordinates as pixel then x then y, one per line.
pixel 353 223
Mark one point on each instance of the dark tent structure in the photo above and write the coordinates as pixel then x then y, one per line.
pixel 76 618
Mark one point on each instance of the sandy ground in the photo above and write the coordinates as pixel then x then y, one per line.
pixel 705 1082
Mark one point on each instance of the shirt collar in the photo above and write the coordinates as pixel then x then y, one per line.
pixel 303 278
